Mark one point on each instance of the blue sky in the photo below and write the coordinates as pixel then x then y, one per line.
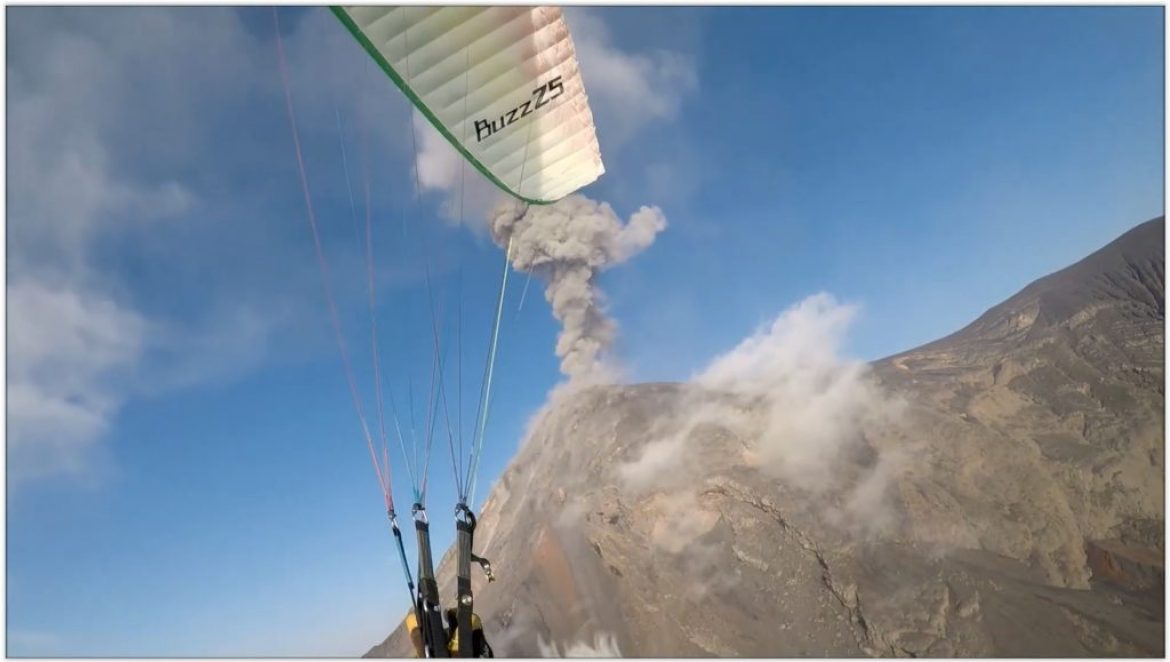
pixel 185 472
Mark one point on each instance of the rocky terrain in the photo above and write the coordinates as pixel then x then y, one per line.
pixel 997 492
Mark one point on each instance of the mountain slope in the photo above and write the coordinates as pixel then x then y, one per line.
pixel 1059 387
pixel 1011 507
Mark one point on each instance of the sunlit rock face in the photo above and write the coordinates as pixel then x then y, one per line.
pixel 995 493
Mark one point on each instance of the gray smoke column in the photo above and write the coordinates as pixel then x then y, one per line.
pixel 566 245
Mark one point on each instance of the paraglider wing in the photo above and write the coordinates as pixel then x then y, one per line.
pixel 501 84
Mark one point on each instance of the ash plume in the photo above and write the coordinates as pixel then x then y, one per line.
pixel 567 245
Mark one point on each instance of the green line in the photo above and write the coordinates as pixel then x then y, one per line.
pixel 477 451
pixel 370 48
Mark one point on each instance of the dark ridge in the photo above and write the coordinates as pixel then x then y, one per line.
pixel 1129 271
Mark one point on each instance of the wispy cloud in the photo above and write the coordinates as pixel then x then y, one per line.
pixel 638 94
pixel 134 266
pixel 114 116
pixel 67 345
pixel 72 334
pixel 628 89
pixel 33 643
pixel 467 195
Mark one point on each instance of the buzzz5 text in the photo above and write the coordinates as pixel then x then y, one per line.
pixel 541 96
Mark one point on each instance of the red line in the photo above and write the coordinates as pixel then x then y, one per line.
pixel 324 265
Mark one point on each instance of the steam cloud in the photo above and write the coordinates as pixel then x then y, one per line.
pixel 816 402
pixel 604 644
pixel 799 410
pixel 566 245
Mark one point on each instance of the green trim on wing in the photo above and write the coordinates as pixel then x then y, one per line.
pixel 361 38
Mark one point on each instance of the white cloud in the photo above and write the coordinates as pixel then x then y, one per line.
pixel 70 338
pixel 468 195
pixel 62 184
pixel 66 347
pixel 110 110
